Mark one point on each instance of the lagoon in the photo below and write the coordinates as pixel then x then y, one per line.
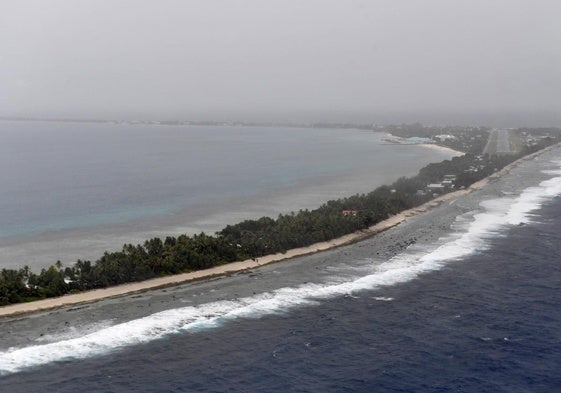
pixel 74 190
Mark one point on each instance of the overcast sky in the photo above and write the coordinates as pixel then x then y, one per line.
pixel 304 60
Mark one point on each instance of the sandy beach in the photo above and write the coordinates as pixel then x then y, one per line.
pixel 392 139
pixel 442 148
pixel 236 267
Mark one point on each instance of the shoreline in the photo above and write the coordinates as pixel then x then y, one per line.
pixel 397 140
pixel 240 266
pixel 192 211
pixel 442 148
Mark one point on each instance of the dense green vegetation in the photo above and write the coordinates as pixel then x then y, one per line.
pixel 253 238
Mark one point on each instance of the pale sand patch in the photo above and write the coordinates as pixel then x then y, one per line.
pixel 402 141
pixel 236 267
pixel 442 148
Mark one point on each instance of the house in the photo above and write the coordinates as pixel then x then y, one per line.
pixel 445 137
pixel 447 183
pixel 435 187
pixel 349 212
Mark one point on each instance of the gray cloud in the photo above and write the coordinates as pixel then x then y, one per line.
pixel 369 60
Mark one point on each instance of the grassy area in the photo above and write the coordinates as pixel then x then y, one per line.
pixel 516 142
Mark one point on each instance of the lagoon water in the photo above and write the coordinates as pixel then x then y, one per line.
pixel 74 190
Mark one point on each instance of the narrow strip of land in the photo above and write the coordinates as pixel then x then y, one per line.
pixel 235 267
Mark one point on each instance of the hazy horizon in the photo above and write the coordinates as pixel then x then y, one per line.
pixel 476 62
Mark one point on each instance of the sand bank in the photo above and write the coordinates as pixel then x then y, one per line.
pixel 442 148
pixel 231 268
pixel 392 139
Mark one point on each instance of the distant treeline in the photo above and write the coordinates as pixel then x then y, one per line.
pixel 250 238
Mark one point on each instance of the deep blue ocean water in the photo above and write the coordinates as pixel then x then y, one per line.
pixel 488 322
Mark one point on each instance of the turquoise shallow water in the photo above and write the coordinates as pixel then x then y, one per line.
pixel 66 184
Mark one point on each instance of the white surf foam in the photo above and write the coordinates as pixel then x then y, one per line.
pixel 470 236
pixel 72 332
pixel 383 299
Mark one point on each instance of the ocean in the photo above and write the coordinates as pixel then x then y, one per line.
pixel 462 299
pixel 74 190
